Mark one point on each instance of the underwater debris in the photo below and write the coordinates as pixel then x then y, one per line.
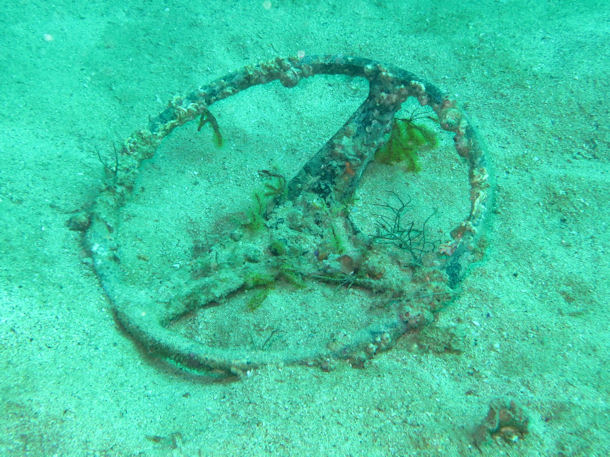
pixel 238 262
pixel 505 420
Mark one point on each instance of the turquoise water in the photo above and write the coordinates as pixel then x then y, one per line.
pixel 512 363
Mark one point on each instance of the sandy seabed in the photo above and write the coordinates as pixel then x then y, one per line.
pixel 530 324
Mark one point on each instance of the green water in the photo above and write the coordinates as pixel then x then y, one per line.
pixel 528 326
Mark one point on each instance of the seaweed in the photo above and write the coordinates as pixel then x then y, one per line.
pixel 208 117
pixel 392 229
pixel 273 190
pixel 275 186
pixel 257 299
pixel 406 140
pixel 255 215
pixel 110 171
pixel 265 283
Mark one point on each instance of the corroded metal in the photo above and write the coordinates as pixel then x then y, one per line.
pixel 412 293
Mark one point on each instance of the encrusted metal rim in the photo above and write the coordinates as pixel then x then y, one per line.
pixel 389 88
